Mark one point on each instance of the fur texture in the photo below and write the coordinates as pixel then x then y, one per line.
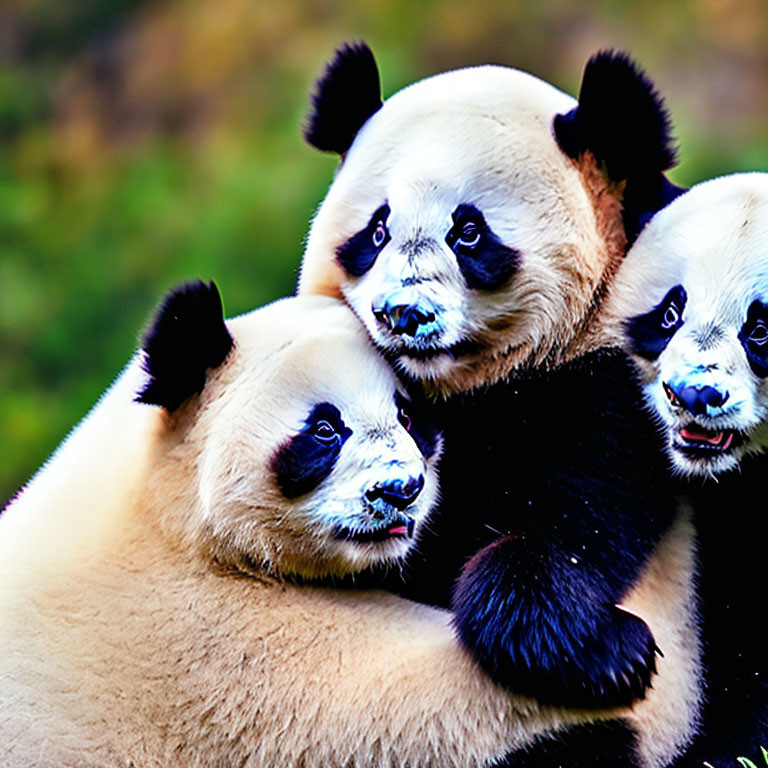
pixel 478 258
pixel 690 301
pixel 147 617
pixel 350 85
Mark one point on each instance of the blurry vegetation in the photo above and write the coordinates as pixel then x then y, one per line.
pixel 142 143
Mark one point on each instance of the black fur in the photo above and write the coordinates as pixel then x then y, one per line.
pixel 643 197
pixel 756 347
pixel 418 422
pixel 554 484
pixel 599 745
pixel 541 641
pixel 303 462
pixel 359 253
pixel 622 120
pixel 347 94
pixel 487 265
pixel 187 337
pixel 650 333
pixel 732 528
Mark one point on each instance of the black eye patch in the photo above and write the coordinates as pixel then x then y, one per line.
pixel 754 337
pixel 358 254
pixel 413 417
pixel 302 463
pixel 650 333
pixel 483 259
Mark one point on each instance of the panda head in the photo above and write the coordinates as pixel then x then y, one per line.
pixel 693 298
pixel 300 450
pixel 477 218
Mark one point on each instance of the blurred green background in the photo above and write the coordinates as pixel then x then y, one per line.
pixel 142 143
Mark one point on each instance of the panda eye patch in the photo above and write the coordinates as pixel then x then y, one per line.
pixel 650 333
pixel 485 262
pixel 416 422
pixel 358 254
pixel 467 229
pixel 310 455
pixel 754 338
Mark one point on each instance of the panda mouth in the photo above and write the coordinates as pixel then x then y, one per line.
pixel 425 354
pixel 697 442
pixel 402 527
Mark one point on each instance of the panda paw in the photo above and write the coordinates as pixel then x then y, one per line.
pixel 617 671
pixel 551 644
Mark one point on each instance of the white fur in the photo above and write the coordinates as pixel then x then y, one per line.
pixel 713 240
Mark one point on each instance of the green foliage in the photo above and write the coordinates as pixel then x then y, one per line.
pixel 142 143
pixel 747 763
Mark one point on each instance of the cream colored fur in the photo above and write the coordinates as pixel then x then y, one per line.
pixel 665 597
pixel 483 136
pixel 132 636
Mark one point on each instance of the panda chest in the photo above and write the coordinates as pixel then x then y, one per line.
pixel 512 450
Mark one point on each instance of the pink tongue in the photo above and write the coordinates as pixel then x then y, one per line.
pixel 398 530
pixel 689 433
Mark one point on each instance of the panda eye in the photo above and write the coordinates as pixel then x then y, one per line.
pixel 324 431
pixel 671 317
pixel 465 234
pixel 404 418
pixel 759 334
pixel 470 235
pixel 380 234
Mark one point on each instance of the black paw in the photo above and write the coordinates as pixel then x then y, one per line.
pixel 554 642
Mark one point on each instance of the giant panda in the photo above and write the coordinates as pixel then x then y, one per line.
pixel 692 298
pixel 475 225
pixel 156 574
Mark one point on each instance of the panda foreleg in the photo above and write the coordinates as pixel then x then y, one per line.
pixel 551 632
pixel 586 507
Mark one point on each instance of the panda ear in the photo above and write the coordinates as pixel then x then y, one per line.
pixel 186 337
pixel 347 94
pixel 622 120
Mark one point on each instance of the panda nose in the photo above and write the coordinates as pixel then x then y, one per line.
pixel 402 318
pixel 398 493
pixel 695 398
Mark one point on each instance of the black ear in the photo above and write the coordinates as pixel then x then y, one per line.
pixel 622 120
pixel 186 338
pixel 347 94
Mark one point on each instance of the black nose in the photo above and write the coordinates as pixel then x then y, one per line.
pixel 397 493
pixel 402 318
pixel 696 399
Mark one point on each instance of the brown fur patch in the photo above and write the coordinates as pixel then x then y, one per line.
pixel 606 203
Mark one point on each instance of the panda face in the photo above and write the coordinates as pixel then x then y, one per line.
pixel 461 234
pixel 347 462
pixel 694 295
pixel 354 474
